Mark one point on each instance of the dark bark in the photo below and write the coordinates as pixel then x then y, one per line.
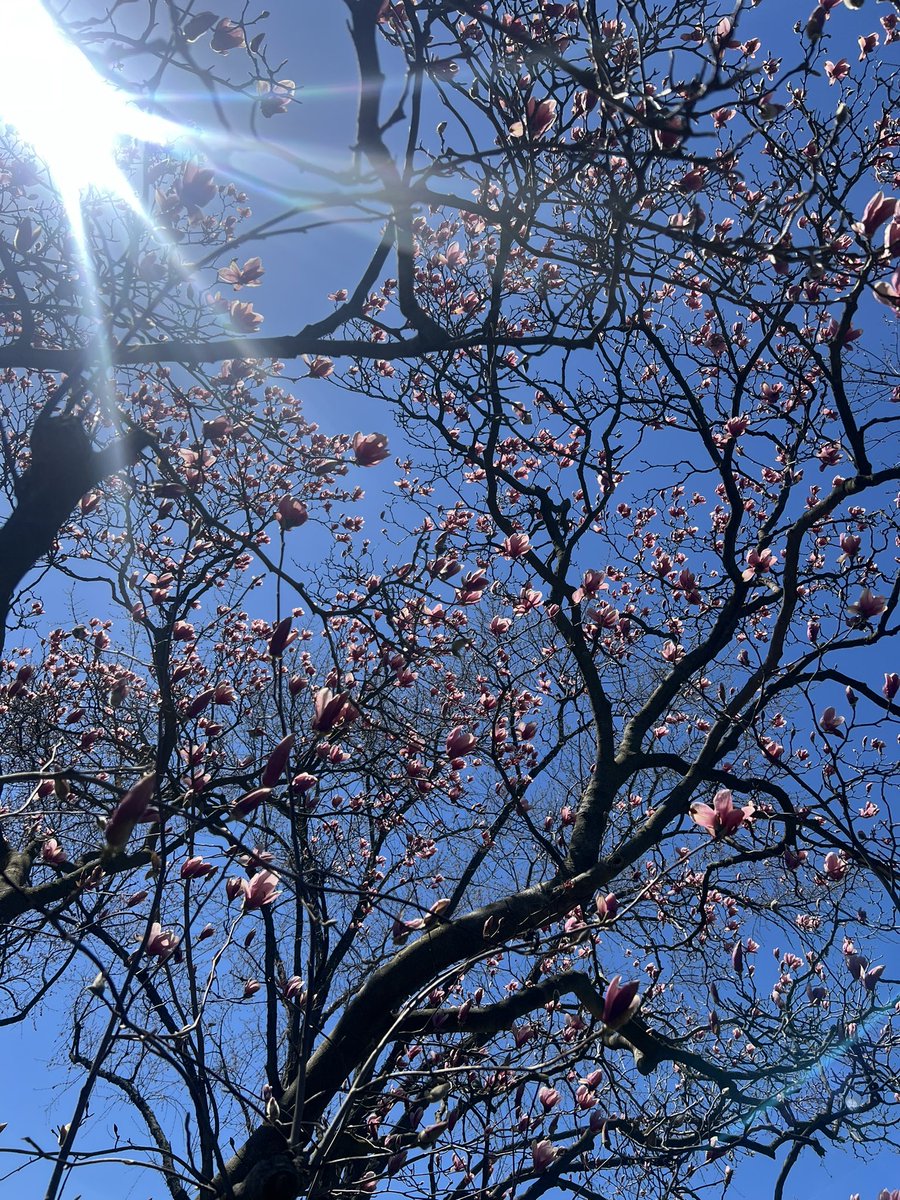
pixel 63 467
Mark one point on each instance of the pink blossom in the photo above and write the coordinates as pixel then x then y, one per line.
pixel 460 742
pixel 248 275
pixel 332 709
pixel 243 317
pixel 161 942
pixel 304 782
pixel 592 582
pixel 319 367
pixel 227 36
pixel 291 513
pixel 277 761
pixel 251 987
pixel 871 977
pixel 620 1001
pixel 891 685
pixel 722 819
pixel 879 209
pixel 281 638
pixel 607 906
pixel 830 721
pixel 260 890
pixel 516 545
pixel 542 1155
pixel 866 45
pixel 197 186
pixel 868 605
pixel 133 808
pixel 837 71
pixel 275 98
pixel 196 868
pixel 759 562
pixel 250 801
pixel 548 1097
pixel 849 546
pixel 834 867
pixel 539 116
pixel 671 652
pixel 292 988
pixel 369 448
pixel 233 887
pixel 52 852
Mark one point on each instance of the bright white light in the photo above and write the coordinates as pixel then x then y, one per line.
pixel 72 117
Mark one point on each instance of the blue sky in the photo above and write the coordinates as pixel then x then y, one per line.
pixel 294 291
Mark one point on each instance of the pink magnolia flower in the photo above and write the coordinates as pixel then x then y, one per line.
pixel 281 638
pixel 319 367
pixel 291 513
pixel 460 742
pixel 758 563
pixel 52 852
pixel 369 448
pixel 250 801
pixel 871 977
pixel 850 543
pixel 879 209
pixel 277 761
pixel 516 545
pixel 227 35
pixel 196 186
pixel 891 685
pixel 542 1155
pixel 737 958
pixel 866 45
pixel 197 25
pixel 251 987
pixel 868 605
pixel 591 584
pixel 161 942
pixel 292 989
pixel 260 890
pixel 834 867
pixel 620 1001
pixel 133 808
pixel 196 868
pixel 607 906
pixel 243 318
pixel 830 721
pixel 304 782
pixel 549 1097
pixel 233 887
pixel 331 709
pixel 248 275
pixel 539 116
pixel 889 293
pixel 837 71
pixel 722 819
pixel 275 98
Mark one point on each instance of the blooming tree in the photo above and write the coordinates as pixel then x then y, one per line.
pixel 494 800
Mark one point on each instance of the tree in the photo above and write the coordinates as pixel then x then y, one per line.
pixel 524 825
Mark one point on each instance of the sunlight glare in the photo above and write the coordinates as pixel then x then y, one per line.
pixel 74 119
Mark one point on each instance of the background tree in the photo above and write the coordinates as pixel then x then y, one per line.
pixel 525 824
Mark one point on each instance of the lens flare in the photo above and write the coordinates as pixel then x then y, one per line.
pixel 74 119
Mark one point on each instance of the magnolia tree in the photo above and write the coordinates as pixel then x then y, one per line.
pixel 492 802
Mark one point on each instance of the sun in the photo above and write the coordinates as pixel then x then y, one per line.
pixel 74 118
